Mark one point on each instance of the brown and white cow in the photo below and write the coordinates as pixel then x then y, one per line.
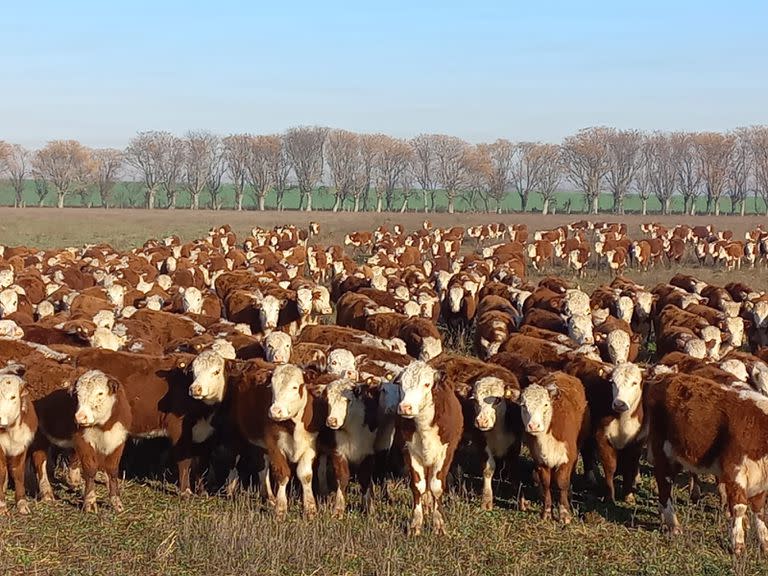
pixel 18 425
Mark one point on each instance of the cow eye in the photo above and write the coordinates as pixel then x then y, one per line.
pixel 13 397
pixel 217 372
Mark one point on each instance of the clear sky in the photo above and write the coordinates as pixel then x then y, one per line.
pixel 99 71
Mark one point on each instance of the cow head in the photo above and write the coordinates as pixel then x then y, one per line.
pixel 192 300
pixel 431 347
pixel 735 328
pixel 321 301
pixel 269 310
pixel 489 396
pixel 618 343
pixel 209 379
pixel 104 319
pixel 580 329
pixel 278 347
pixel 713 338
pixel 224 348
pixel 289 393
pixel 342 396
pixel 96 396
pixel 10 330
pixel 416 383
pixel 45 309
pixel 626 383
pixel 304 301
pixel 9 302
pixel 116 295
pixel 13 399
pixel 625 307
pixel 6 277
pixel 455 297
pixel 106 339
pixel 759 377
pixel 536 407
pixel 737 368
pixel 342 363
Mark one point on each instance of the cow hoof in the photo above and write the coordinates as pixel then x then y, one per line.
pixel 565 518
pixel 281 512
pixel 310 511
pixel 47 497
pixel 546 514
pixel 630 499
pixel 186 494
pixel 90 507
pixel 675 531
pixel 117 504
pixel 487 505
pixel 338 512
pixel 523 505
pixel 414 530
pixel 439 529
pixel 23 507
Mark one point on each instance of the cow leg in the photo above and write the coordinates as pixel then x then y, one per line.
pixel 364 476
pixel 304 472
pixel 664 472
pixel 341 470
pixel 74 471
pixel 757 504
pixel 3 484
pixel 90 467
pixel 630 467
pixel 282 472
pixel 418 488
pixel 737 504
pixel 488 471
pixel 40 461
pixel 322 475
pixel 437 482
pixel 232 483
pixel 545 476
pixel 112 468
pixel 607 455
pixel 266 483
pixel 17 471
pixel 563 481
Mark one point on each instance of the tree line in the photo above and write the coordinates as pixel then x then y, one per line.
pixel 379 172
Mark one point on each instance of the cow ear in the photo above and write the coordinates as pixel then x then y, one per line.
pixel 511 393
pixel 15 369
pixel 113 385
pixel 462 390
pixel 553 390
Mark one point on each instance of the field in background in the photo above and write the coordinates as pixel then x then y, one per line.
pixel 159 534
pixel 130 195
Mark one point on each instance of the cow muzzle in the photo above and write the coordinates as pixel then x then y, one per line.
pixel 405 409
pixel 483 423
pixel 196 391
pixel 278 413
pixel 620 406
pixel 83 419
pixel 534 428
pixel 332 422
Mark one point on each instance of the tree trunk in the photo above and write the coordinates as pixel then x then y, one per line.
pixel 404 206
pixel 357 202
pixel 667 202
pixel 60 199
pixel 596 204
pixel 309 202
pixel 194 201
pixel 450 203
pixel 545 206
pixel 379 203
pixel 523 201
pixel 239 200
pixel 262 198
pixel 337 203
pixel 717 206
pixel 618 204
pixel 172 200
pixel 426 202
pixel 743 211
pixel 644 206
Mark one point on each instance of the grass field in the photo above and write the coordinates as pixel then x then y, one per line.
pixel 130 195
pixel 160 534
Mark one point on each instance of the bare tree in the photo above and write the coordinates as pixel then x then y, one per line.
pixel 5 153
pixel 423 166
pixel 452 165
pixel 642 181
pixel 740 169
pixel 216 175
pixel 391 161
pixel 261 159
pixel 236 150
pixel 550 174
pixel 498 176
pixel 281 169
pixel 406 187
pixel 41 188
pixel 64 164
pixel 199 159
pixel 342 151
pixel 714 160
pixel 528 165
pixel 145 154
pixel 687 165
pixel 107 163
pixel 479 176
pixel 758 143
pixel 18 165
pixel 586 162
pixel 623 162
pixel 660 168
pixel 367 147
pixel 304 147
pixel 173 152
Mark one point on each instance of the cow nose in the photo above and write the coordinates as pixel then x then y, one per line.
pixel 196 390
pixel 620 406
pixel 81 418
pixel 332 422
pixel 275 412
pixel 532 427
pixel 404 409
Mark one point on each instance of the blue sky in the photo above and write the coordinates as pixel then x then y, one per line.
pixel 538 70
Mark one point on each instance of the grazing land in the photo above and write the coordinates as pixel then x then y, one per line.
pixel 159 533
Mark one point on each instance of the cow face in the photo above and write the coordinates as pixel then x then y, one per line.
pixel 390 395
pixel 321 301
pixel 618 343
pixel 431 347
pixel 759 374
pixel 625 308
pixel 737 368
pixel 9 302
pixel 735 328
pixel 490 407
pixel 224 348
pixel 411 309
pixel 106 339
pixel 304 301
pixel 104 319
pixel 342 363
pixel 712 336
pixel 96 396
pixel 696 347
pixel 6 277
pixel 580 329
pixel 289 394
pixel 209 382
pixel 154 302
pixel 278 347
pixel 536 407
pixel 9 329
pixel 760 314
pixel 341 396
pixel 643 304
pixel 13 394
pixel 455 297
pixel 269 311
pixel 192 300
pixel 45 309
pixel 416 383
pixel 116 295
pixel 626 383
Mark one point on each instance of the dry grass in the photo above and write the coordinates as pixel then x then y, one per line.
pixel 159 534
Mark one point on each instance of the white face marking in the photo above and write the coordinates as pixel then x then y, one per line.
pixel 278 347
pixel 626 383
pixel 304 301
pixel 416 383
pixel 712 336
pixel 9 329
pixel 154 302
pixel 455 296
pixel 269 312
pixel 580 329
pixel 95 399
pixel 116 295
pixel 106 339
pixel 696 348
pixel 224 348
pixel 431 347
pixel 340 394
pixel 104 319
pixel 6 278
pixel 209 380
pixel 576 302
pixel 192 300
pixel 618 343
pixel 735 327
pixel 626 307
pixel 737 368
pixel 9 302
pixel 321 303
pixel 342 363
pixel 536 409
pixel 289 395
pixel 11 389
pixel 490 407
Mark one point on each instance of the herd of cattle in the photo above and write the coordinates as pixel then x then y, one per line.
pixel 226 349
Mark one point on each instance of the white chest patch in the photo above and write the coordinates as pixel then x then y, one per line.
pixel 623 430
pixel 549 450
pixel 295 445
pixel 202 430
pixel 105 441
pixel 15 440
pixel 425 446
pixel 752 476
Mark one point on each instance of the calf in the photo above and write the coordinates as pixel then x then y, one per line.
pixel 687 419
pixel 18 425
pixel 429 427
pixel 555 421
